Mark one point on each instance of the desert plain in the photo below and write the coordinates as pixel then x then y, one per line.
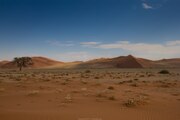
pixel 89 59
pixel 90 94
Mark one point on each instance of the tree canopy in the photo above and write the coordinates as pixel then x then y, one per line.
pixel 22 62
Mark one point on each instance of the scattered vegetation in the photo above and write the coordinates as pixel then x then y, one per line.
pixel 87 87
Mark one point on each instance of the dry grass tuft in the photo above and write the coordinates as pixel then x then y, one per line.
pixel 33 92
pixel 84 81
pixel 130 103
pixel 133 102
pixel 112 98
pixel 68 98
pixel 111 88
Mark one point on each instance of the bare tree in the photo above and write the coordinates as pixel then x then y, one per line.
pixel 22 62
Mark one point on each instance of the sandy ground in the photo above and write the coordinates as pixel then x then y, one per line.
pixel 95 94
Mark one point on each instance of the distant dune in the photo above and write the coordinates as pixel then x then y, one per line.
pixel 38 62
pixel 117 62
pixel 3 62
pixel 44 62
pixel 130 62
pixel 164 63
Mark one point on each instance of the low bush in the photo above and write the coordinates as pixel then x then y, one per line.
pixel 87 71
pixel 164 72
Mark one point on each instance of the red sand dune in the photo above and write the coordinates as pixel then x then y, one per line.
pixel 164 63
pixel 3 62
pixel 117 62
pixel 131 62
pixel 44 62
pixel 38 62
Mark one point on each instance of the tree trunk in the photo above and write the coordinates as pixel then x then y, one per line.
pixel 20 68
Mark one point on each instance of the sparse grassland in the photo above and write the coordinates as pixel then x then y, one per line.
pixel 92 90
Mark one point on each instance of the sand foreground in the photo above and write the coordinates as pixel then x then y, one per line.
pixel 94 94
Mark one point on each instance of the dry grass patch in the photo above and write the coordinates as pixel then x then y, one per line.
pixel 121 82
pixel 68 98
pixel 84 82
pixel 64 83
pixel 59 90
pixel 136 101
pixel 112 98
pixel 33 93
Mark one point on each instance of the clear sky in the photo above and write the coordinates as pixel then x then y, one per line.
pixel 70 30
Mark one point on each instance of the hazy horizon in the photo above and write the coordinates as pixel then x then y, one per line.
pixel 81 30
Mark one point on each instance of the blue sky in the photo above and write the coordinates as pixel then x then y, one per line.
pixel 70 30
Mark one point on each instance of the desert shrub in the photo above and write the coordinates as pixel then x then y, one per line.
pixel 68 98
pixel 129 81
pixel 100 95
pixel 136 79
pixel 164 72
pixel 87 71
pixel 64 83
pixel 111 88
pixel 103 93
pixel 141 76
pixel 130 103
pixel 138 101
pixel 17 79
pixel 144 81
pixel 84 81
pixel 111 98
pixel 46 80
pixel 121 82
pixel 134 85
pixel 96 77
pixel 165 86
